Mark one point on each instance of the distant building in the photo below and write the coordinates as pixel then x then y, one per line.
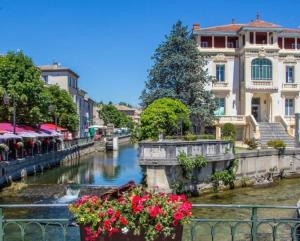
pixel 134 113
pixel 67 79
pixel 96 117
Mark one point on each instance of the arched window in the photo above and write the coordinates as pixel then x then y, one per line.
pixel 261 69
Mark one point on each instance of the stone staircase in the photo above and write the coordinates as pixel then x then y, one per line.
pixel 271 131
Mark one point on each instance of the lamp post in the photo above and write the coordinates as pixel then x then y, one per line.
pixel 6 99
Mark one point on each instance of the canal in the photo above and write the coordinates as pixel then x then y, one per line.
pixel 65 183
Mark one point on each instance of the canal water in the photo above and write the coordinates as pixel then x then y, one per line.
pixel 64 184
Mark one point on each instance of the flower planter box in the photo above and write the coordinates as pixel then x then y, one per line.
pixel 130 237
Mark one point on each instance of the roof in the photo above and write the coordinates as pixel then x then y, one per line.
pixel 56 68
pixel 124 108
pixel 257 24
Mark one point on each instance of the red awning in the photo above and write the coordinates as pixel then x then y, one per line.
pixel 52 127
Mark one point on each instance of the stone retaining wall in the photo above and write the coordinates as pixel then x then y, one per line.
pixel 158 159
pixel 15 170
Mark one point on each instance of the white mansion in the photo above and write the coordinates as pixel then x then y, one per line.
pixel 257 74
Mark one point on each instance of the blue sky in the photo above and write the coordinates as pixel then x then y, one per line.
pixel 109 43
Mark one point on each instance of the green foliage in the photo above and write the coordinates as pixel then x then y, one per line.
pixel 166 116
pixel 110 115
pixel 227 176
pixel 63 107
pixel 244 180
pixel 21 80
pixel 277 144
pixel 180 72
pixel 252 143
pixel 190 164
pixel 229 131
pixel 190 137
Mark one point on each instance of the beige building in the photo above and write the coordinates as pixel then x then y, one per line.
pixel 257 76
pixel 67 79
pixel 133 113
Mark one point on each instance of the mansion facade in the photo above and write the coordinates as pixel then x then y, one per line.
pixel 256 70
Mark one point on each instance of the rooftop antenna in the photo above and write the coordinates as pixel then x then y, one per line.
pixel 257 16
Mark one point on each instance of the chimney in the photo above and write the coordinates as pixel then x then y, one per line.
pixel 233 21
pixel 196 26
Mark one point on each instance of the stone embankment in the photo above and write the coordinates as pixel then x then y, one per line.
pixel 159 161
pixel 16 169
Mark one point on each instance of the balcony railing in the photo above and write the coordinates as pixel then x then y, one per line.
pixel 222 222
pixel 290 86
pixel 233 118
pixel 261 83
pixel 220 84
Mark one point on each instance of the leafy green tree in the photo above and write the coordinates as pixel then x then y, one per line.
pixel 110 114
pixel 166 116
pixel 180 72
pixel 63 107
pixel 21 80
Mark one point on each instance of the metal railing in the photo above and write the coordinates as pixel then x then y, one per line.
pixel 77 141
pixel 247 223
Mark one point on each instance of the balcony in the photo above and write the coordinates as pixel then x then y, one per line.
pixel 261 85
pixel 220 87
pixel 234 119
pixel 290 87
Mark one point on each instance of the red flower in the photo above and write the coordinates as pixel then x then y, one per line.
pixel 154 211
pixel 175 222
pixel 138 208
pixel 117 214
pixel 178 216
pixel 123 221
pixel 112 231
pixel 158 227
pixel 106 224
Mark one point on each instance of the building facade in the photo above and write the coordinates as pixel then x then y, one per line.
pixel 256 67
pixel 67 79
pixel 133 113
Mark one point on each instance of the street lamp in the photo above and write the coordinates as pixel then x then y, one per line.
pixel 6 99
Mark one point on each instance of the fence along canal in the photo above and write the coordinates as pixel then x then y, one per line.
pixel 255 227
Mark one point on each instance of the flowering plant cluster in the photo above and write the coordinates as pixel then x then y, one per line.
pixel 137 211
pixel 4 148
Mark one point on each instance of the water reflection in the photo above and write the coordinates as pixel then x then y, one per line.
pixel 112 168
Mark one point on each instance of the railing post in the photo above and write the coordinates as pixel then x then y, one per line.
pixel 254 224
pixel 1 225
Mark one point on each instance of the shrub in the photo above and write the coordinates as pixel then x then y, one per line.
pixel 229 131
pixel 277 144
pixel 252 143
pixel 164 116
pixel 190 137
pixel 189 164
pixel 206 137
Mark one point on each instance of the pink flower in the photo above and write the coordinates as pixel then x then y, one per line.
pixel 110 212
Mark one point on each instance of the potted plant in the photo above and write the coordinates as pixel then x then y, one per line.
pixel 134 215
pixel 3 151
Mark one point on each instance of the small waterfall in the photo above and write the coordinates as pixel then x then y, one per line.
pixel 71 195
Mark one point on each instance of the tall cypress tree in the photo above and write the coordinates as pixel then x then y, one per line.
pixel 180 72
